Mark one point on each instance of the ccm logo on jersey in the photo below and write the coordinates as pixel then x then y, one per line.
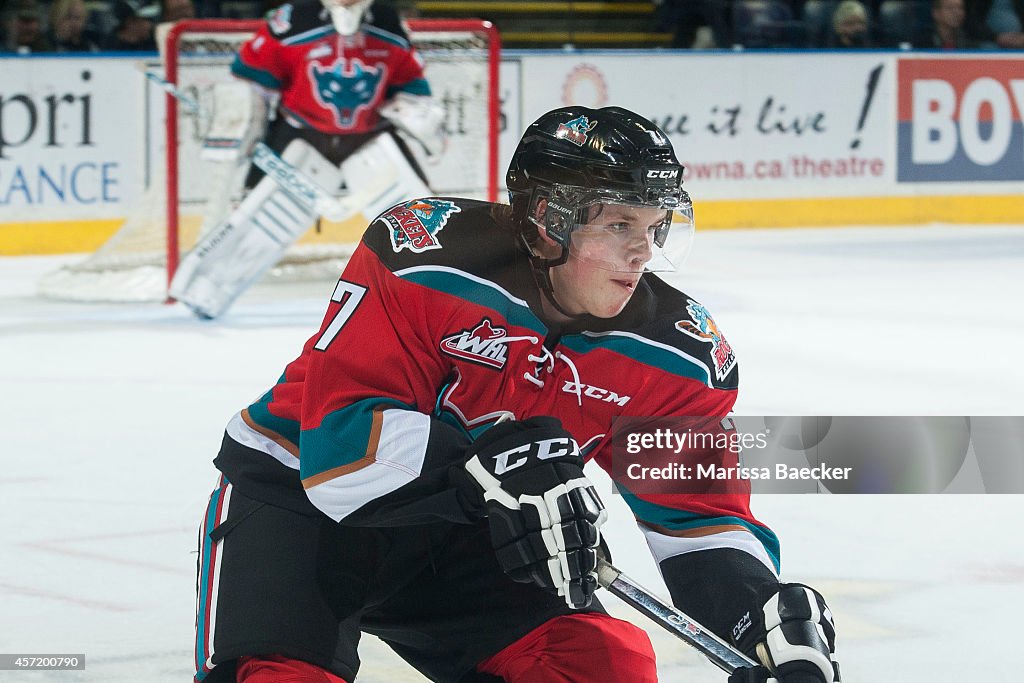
pixel 589 391
pixel 544 449
pixel 484 344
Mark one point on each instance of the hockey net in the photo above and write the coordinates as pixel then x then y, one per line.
pixel 185 191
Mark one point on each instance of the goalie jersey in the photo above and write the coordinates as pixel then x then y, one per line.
pixel 431 336
pixel 329 83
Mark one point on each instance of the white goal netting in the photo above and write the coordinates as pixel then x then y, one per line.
pixel 135 264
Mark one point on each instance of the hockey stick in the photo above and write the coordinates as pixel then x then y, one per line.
pixel 302 188
pixel 190 104
pixel 724 656
pixel 720 653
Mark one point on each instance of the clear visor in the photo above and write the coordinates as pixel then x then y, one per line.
pixel 627 237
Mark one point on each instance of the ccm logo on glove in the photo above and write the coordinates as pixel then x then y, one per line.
pixel 543 514
pixel 545 449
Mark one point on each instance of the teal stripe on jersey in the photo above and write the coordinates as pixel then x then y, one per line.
pixel 679 520
pixel 386 36
pixel 341 438
pixel 417 87
pixel 639 349
pixel 452 420
pixel 309 36
pixel 477 291
pixel 261 415
pixel 264 78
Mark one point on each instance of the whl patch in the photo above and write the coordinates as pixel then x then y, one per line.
pixel 483 344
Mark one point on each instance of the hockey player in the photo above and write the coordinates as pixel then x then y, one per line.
pixel 345 76
pixel 417 472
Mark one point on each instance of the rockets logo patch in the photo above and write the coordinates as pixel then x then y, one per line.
pixel 483 344
pixel 703 328
pixel 575 131
pixel 414 224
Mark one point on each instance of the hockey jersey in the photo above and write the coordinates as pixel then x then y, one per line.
pixel 329 82
pixel 432 335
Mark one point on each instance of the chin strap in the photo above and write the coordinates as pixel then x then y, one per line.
pixel 541 268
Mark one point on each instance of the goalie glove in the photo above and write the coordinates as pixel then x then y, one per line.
pixel 419 117
pixel 237 114
pixel 543 512
pixel 793 636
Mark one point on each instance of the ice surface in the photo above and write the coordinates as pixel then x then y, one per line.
pixel 112 413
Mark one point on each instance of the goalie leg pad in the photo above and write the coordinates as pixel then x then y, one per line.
pixel 235 254
pixel 378 176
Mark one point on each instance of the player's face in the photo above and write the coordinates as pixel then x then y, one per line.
pixel 619 237
pixel 607 257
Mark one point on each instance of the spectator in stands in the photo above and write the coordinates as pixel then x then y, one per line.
pixel 68 32
pixel 947 29
pixel 996 23
pixel 849 26
pixel 684 17
pixel 134 29
pixel 178 10
pixel 23 26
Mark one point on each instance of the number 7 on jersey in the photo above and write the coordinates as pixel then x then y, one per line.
pixel 348 294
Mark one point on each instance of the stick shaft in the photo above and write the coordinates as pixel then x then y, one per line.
pixel 190 104
pixel 721 654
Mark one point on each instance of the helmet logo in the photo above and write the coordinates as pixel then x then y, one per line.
pixel 575 131
pixel 666 174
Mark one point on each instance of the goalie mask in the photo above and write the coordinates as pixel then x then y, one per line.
pixel 606 186
pixel 347 15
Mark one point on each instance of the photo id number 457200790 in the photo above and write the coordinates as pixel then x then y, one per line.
pixel 42 662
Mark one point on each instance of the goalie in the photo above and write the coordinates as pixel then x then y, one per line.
pixel 344 79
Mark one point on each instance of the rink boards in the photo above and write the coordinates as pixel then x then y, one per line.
pixel 781 139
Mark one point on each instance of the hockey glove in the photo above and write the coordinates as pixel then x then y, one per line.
pixel 793 637
pixel 544 514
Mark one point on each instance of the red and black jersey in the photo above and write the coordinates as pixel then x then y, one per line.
pixel 432 335
pixel 328 82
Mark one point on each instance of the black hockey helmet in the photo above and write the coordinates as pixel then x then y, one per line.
pixel 576 157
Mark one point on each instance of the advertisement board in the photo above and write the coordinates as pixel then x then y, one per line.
pixel 745 125
pixel 960 120
pixel 70 134
pixel 768 139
